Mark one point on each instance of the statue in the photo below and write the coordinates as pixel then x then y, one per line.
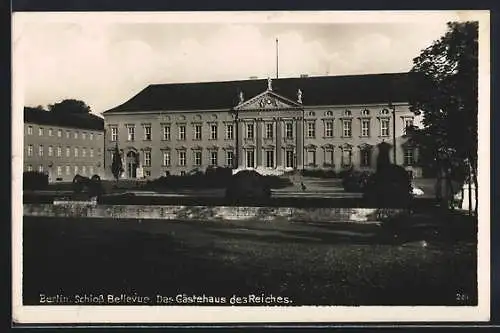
pixel 269 84
pixel 299 96
pixel 241 96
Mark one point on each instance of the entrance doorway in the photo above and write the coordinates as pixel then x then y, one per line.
pixel 131 164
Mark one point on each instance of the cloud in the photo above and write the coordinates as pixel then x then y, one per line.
pixel 104 64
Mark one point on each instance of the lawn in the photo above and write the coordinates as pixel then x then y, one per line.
pixel 312 264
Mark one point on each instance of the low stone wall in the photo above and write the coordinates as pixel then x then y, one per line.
pixel 206 213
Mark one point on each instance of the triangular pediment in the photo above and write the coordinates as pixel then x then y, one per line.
pixel 268 100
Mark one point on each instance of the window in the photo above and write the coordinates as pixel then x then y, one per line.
pixel 51 151
pixel 91 136
pixel 409 156
pixel 40 131
pixel 311 130
pixel 347 113
pixel 166 132
pixel 68 170
pixel 147 132
pixel 147 158
pixel 29 167
pixel 213 132
pixel 182 158
pixel 329 113
pixel 347 128
pixel 131 133
pixel 250 158
pixel 84 170
pixel 408 124
pixel 182 132
pixel 84 135
pixel 166 158
pixel 91 170
pixel 76 170
pixel 197 158
pixel 68 134
pixel 84 152
pixel 76 151
pixel 40 150
pixel 311 157
pixel 289 130
pixel 147 173
pixel 229 158
pixel 40 168
pixel 250 131
pixel 384 112
pixel 229 131
pixel 329 157
pixel 346 157
pixel 213 158
pixel 384 127
pixel 91 152
pixel 366 156
pixel 269 130
pixel 365 127
pixel 30 130
pixel 197 132
pixel 183 173
pixel 50 132
pixel 270 158
pixel 68 152
pixel 75 135
pixel 114 134
pixel 30 150
pixel 365 112
pixel 59 171
pixel 329 129
pixel 59 151
pixel 289 158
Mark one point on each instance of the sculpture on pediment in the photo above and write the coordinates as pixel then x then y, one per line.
pixel 241 97
pixel 299 96
pixel 269 84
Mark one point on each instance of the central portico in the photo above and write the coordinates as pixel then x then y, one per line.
pixel 269 131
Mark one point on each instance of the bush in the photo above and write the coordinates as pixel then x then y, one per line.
pixel 248 184
pixel 34 180
pixel 389 187
pixel 80 183
pixel 318 173
pixel 95 186
pixel 356 181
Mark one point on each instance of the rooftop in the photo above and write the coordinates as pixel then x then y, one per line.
pixel 319 90
pixel 73 120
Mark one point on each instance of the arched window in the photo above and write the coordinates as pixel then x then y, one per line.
pixel 365 112
pixel 329 113
pixel 347 113
pixel 384 111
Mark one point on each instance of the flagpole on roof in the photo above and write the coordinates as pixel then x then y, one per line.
pixel 277 55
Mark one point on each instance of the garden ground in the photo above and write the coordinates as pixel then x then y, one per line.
pixel 432 261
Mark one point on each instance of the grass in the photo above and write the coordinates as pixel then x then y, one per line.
pixel 312 264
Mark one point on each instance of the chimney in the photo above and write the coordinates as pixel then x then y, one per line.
pixel 303 76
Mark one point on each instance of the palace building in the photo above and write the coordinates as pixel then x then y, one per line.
pixel 325 122
pixel 63 145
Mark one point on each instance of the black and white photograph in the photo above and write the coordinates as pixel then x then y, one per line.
pixel 250 167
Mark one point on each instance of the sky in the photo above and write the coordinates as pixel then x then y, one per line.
pixel 105 60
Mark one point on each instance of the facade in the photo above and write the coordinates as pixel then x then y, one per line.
pixel 333 123
pixel 63 146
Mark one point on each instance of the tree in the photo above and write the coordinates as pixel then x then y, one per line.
pixel 446 84
pixel 116 164
pixel 70 106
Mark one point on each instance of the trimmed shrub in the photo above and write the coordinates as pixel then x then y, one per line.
pixel 248 184
pixel 95 186
pixel 356 181
pixel 34 180
pixel 319 173
pixel 389 187
pixel 80 183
